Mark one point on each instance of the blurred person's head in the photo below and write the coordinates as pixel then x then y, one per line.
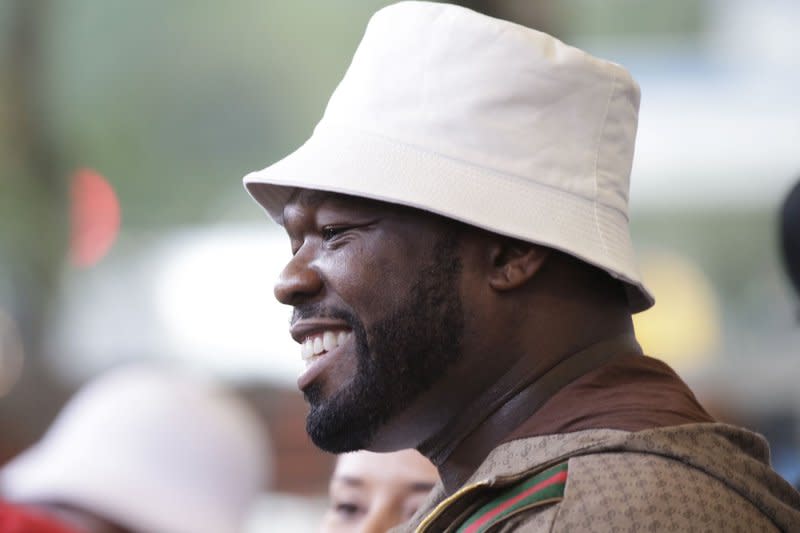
pixel 790 235
pixel 145 450
pixel 372 492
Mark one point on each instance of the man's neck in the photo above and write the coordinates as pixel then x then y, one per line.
pixel 526 345
pixel 462 445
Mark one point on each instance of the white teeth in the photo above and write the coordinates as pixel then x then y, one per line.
pixel 321 343
pixel 329 341
pixel 307 349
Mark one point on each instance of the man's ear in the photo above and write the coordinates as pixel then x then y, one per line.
pixel 514 262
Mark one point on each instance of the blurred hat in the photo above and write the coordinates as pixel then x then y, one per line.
pixel 483 121
pixel 150 449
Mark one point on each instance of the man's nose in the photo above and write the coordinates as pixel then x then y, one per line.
pixel 298 281
pixel 380 521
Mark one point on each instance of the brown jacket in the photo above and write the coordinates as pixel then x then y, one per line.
pixel 692 477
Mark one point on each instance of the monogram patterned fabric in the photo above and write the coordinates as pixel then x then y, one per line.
pixel 694 477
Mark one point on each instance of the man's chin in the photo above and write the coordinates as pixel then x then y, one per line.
pixel 334 433
pixel 345 421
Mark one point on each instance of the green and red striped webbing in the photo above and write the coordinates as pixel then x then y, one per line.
pixel 545 486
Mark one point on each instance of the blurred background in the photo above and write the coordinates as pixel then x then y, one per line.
pixel 125 233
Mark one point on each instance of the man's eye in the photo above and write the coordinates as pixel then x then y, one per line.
pixel 347 510
pixel 331 232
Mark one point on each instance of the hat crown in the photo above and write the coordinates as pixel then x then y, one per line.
pixel 495 95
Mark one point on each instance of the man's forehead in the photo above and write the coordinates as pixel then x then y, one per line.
pixel 302 199
pixel 405 468
pixel 312 198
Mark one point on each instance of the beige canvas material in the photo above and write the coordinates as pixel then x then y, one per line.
pixel 483 121
pixel 694 477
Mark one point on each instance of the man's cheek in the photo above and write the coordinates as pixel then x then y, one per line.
pixel 391 277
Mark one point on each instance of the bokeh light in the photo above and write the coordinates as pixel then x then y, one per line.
pixel 94 216
pixel 683 328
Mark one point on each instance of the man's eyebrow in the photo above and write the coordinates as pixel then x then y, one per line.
pixel 349 480
pixel 316 197
pixel 307 198
pixel 311 197
pixel 414 486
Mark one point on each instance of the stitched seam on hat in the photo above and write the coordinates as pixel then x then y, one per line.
pixel 502 174
pixel 596 159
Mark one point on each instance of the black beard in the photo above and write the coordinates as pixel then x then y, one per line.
pixel 408 352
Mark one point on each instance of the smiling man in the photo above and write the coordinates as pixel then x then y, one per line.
pixel 463 280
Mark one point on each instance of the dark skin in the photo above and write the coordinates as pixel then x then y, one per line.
pixel 526 307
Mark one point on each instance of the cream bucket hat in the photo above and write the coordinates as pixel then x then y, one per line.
pixel 483 121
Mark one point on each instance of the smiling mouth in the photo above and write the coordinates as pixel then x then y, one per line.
pixel 316 345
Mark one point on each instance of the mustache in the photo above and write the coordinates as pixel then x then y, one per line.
pixel 316 310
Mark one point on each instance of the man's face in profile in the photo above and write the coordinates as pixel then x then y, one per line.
pixel 375 290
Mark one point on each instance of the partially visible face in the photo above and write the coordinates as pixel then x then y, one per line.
pixel 376 308
pixel 373 492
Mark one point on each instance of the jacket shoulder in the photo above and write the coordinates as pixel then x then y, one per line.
pixel 627 491
pixel 622 490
